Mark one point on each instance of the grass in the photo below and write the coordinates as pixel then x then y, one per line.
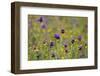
pixel 57 37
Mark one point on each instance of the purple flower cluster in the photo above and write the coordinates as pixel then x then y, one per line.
pixel 73 40
pixel 80 37
pixel 65 45
pixel 80 47
pixel 51 44
pixel 43 22
pixel 53 54
pixel 43 26
pixel 57 36
pixel 62 31
pixel 41 19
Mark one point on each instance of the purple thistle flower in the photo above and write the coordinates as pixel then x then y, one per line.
pixel 43 26
pixel 53 54
pixel 73 40
pixel 80 37
pixel 66 50
pixel 41 19
pixel 51 44
pixel 57 36
pixel 62 31
pixel 65 45
pixel 80 47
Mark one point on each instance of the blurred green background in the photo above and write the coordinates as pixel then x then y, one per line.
pixel 57 37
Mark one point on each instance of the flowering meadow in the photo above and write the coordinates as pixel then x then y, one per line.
pixel 57 37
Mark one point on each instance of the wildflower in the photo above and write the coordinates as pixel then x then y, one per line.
pixel 57 36
pixel 80 37
pixel 66 50
pixel 80 47
pixel 86 45
pixel 62 31
pixel 34 47
pixel 41 19
pixel 43 26
pixel 65 45
pixel 51 44
pixel 73 40
pixel 53 54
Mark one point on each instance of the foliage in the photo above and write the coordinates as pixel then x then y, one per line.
pixel 57 37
